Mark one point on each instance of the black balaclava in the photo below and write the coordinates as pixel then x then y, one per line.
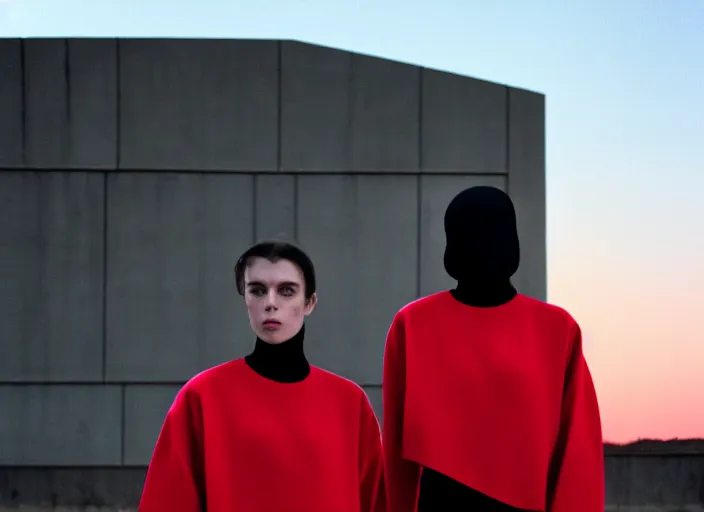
pixel 482 250
pixel 282 362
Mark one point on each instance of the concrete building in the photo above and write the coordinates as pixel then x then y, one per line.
pixel 134 172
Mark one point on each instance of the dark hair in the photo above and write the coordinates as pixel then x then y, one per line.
pixel 275 250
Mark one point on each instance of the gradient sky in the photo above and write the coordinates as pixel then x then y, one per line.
pixel 624 81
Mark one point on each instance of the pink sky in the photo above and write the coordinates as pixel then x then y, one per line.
pixel 643 337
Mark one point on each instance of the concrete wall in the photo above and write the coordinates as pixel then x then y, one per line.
pixel 663 483
pixel 668 482
pixel 134 172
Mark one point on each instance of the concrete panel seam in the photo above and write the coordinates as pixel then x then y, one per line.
pixel 346 172
pixel 295 207
pixel 118 114
pixel 279 51
pixel 67 79
pixel 89 383
pixel 420 119
pixel 23 75
pixel 508 140
pixel 255 183
pixel 123 398
pixel 300 172
pixel 105 277
pixel 419 231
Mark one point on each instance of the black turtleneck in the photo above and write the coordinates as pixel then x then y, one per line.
pixel 481 254
pixel 283 362
pixel 484 295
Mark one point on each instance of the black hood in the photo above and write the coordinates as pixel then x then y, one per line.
pixel 481 236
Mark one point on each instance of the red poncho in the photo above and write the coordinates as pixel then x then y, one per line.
pixel 499 399
pixel 235 441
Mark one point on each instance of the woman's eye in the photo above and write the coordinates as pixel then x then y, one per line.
pixel 287 291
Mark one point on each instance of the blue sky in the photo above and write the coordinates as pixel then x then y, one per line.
pixel 624 81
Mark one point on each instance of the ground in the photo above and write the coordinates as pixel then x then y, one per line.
pixel 656 446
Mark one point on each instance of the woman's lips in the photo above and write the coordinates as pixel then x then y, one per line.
pixel 271 324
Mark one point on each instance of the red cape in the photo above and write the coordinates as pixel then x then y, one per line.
pixel 499 399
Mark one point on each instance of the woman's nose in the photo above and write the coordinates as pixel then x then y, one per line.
pixel 270 300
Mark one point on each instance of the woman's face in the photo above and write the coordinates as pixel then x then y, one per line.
pixel 275 297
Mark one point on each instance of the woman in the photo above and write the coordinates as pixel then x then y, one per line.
pixel 269 432
pixel 488 401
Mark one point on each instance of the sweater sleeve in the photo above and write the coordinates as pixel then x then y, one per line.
pixel 577 468
pixel 175 477
pixel 402 476
pixel 372 495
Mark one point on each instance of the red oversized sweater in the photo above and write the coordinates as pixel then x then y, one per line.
pixel 499 399
pixel 234 441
